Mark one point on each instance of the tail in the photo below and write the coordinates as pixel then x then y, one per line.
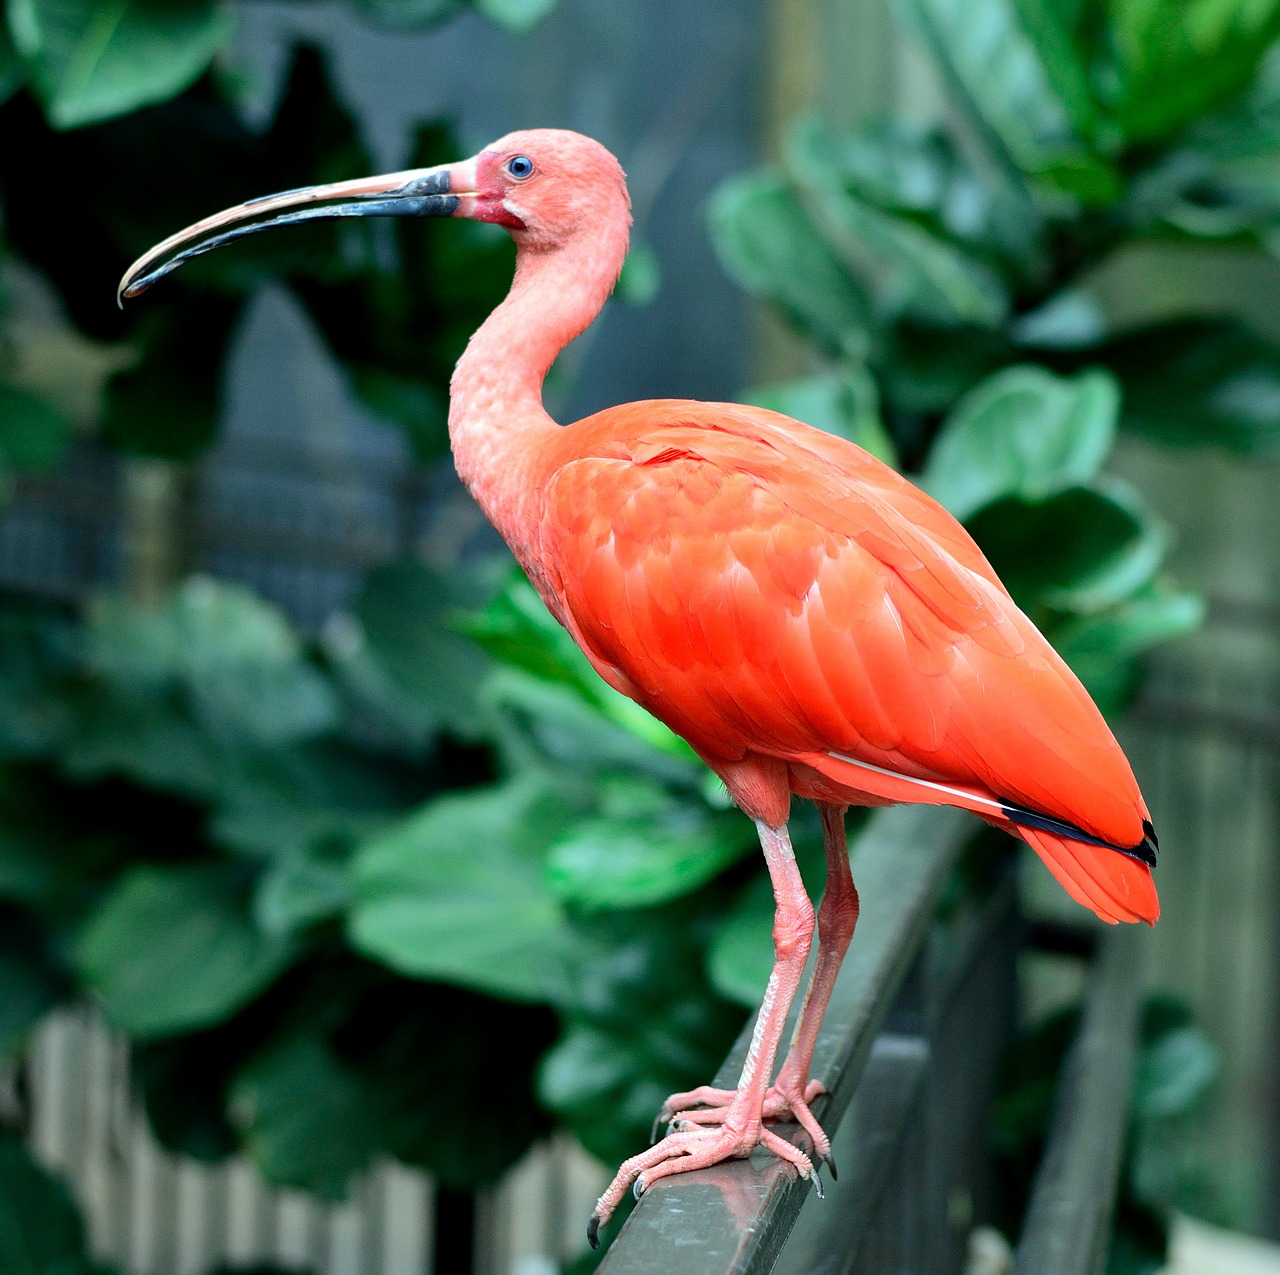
pixel 1116 885
pixel 1114 879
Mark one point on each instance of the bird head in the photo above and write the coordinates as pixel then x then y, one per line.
pixel 546 186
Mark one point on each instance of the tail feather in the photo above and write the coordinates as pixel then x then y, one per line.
pixel 1116 886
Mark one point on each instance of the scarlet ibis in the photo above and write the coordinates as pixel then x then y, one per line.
pixel 807 619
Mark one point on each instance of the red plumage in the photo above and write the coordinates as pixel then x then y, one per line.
pixel 770 591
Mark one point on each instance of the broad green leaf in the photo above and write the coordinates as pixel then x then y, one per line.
pixel 918 173
pixel 845 403
pixel 432 1075
pixel 455 893
pixel 221 629
pixel 596 1070
pixel 1101 648
pixel 520 15
pixel 404 649
pixel 518 631
pixel 297 893
pixel 1091 181
pixel 278 804
pixel 1054 28
pixel 235 654
pixel 93 60
pixel 642 1023
pixel 904 266
pixel 644 848
pixel 1022 432
pixel 1174 1071
pixel 1083 549
pixel 40 1228
pixel 33 434
pixel 29 983
pixel 550 720
pixel 1226 180
pixel 995 71
pixel 768 244
pixel 1199 382
pixel 39 648
pixel 1179 58
pixel 453 1077
pixel 171 949
pixel 12 72
pixel 924 369
pixel 150 741
pixel 310 1121
pixel 741 956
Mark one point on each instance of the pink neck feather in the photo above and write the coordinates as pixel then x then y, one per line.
pixel 498 429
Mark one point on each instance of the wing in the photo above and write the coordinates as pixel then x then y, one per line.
pixel 763 587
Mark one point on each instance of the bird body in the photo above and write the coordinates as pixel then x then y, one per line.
pixel 808 620
pixel 814 624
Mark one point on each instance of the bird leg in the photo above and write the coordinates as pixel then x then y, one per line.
pixel 789 1096
pixel 837 917
pixel 739 1128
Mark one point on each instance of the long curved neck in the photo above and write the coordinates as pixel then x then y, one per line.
pixel 498 428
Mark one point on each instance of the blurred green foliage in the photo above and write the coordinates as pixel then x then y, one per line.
pixel 1174 1075
pixel 424 885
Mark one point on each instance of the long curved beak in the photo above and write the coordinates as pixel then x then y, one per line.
pixel 444 191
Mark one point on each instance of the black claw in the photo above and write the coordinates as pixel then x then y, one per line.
pixel 816 1178
pixel 831 1164
pixel 638 1188
pixel 593 1231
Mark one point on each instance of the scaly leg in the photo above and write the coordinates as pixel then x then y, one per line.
pixel 788 1098
pixel 740 1127
pixel 837 918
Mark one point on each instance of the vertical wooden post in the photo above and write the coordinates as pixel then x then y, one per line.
pixel 154 527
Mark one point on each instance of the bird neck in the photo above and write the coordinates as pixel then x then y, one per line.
pixel 498 429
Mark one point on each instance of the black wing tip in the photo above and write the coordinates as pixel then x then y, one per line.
pixel 1145 851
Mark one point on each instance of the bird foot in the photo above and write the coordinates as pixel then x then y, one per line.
pixel 696 1146
pixel 706 1106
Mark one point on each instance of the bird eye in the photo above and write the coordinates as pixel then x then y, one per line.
pixel 519 166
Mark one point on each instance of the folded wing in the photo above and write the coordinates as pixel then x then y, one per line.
pixel 765 588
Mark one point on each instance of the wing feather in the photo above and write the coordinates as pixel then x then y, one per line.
pixel 766 588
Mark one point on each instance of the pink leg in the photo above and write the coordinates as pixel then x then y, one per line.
pixel 740 1128
pixel 793 1091
pixel 788 1098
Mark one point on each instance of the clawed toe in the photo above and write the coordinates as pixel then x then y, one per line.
pixel 686 1148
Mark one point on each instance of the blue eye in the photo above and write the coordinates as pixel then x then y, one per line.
pixel 519 167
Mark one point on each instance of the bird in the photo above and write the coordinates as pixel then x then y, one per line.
pixel 814 625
